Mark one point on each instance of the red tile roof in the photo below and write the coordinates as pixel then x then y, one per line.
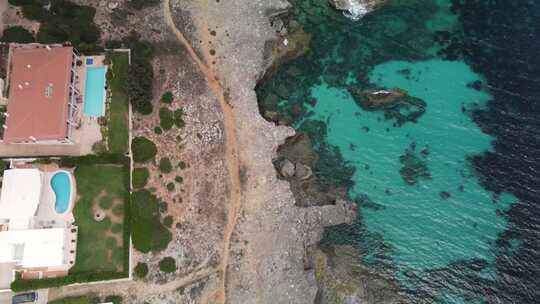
pixel 38 94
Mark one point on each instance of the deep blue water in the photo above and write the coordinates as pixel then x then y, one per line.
pixel 449 196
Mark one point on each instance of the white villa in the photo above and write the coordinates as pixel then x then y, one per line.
pixel 37 235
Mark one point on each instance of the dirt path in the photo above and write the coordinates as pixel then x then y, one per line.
pixel 139 288
pixel 231 155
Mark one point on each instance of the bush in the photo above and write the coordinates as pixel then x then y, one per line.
pixel 167 221
pixel 147 231
pixel 165 165
pixel 141 75
pixel 141 270
pixel 143 149
pixel 179 179
pixel 24 285
pixel 158 130
pixel 167 264
pixel 179 118
pixel 140 4
pixel 63 21
pixel 166 119
pixel 17 34
pixel 182 165
pixel 113 299
pixel 167 97
pixel 113 44
pixel 170 186
pixel 140 177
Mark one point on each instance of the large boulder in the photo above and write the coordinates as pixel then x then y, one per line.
pixel 355 9
pixel 287 168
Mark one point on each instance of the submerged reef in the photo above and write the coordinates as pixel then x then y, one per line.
pixel 414 166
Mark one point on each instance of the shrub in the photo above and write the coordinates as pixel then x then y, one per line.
pixel 167 264
pixel 141 270
pixel 23 285
pixel 143 149
pixel 166 118
pixel 113 44
pixel 179 179
pixel 179 118
pixel 113 299
pixel 140 4
pixel 167 97
pixel 158 130
pixel 165 165
pixel 141 75
pixel 140 177
pixel 167 221
pixel 147 231
pixel 170 186
pixel 62 21
pixel 182 165
pixel 17 34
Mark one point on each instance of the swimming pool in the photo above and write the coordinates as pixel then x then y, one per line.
pixel 61 185
pixel 94 91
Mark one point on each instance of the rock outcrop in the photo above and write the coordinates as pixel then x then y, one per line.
pixel 355 9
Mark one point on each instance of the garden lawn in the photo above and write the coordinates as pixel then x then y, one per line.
pixel 118 116
pixel 99 248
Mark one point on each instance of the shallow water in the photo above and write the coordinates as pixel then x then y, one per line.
pixel 436 210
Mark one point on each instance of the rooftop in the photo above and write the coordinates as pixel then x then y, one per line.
pixel 20 195
pixel 38 93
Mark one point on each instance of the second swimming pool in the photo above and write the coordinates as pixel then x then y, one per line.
pixel 94 91
pixel 61 185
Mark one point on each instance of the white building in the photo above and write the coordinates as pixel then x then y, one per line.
pixel 35 241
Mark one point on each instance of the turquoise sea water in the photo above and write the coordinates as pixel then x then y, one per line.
pixel 61 185
pixel 423 211
pixel 94 91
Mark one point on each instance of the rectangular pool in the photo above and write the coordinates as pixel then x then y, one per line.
pixel 94 91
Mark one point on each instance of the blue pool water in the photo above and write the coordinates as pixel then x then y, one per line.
pixel 94 93
pixel 89 61
pixel 61 185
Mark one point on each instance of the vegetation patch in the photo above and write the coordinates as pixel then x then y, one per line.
pixel 168 221
pixel 140 4
pixel 118 124
pixel 179 118
pixel 166 119
pixel 147 231
pixel 167 264
pixel 179 179
pixel 167 97
pixel 62 21
pixel 141 270
pixel 141 74
pixel 143 149
pixel 165 165
pixel 17 34
pixel 170 186
pixel 140 177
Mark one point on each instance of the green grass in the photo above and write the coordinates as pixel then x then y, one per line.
pixel 77 300
pixel 118 124
pixel 106 202
pixel 95 252
pixel 147 231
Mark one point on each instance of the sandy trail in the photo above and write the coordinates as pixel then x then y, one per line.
pixel 231 145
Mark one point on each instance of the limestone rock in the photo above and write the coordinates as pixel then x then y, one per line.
pixel 355 9
pixel 302 171
pixel 287 168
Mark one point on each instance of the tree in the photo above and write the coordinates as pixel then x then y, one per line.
pixel 17 34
